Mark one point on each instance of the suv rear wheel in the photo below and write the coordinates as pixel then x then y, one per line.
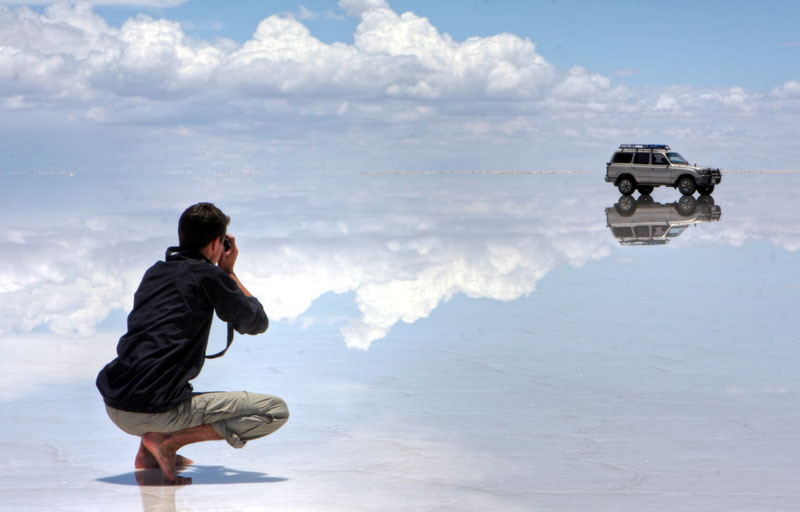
pixel 626 185
pixel 686 185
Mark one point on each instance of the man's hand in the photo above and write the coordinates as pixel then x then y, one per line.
pixel 228 258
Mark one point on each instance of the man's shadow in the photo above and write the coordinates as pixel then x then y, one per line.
pixel 200 475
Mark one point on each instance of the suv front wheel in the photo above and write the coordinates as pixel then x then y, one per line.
pixel 626 185
pixel 686 185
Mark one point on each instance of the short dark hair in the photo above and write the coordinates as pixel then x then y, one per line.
pixel 200 224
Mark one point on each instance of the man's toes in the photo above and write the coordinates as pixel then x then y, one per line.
pixel 180 460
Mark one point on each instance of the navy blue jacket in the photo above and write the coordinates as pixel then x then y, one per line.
pixel 168 328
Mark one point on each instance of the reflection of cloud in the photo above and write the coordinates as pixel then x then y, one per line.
pixel 490 274
pixel 405 279
pixel 69 276
pixel 401 250
pixel 60 284
pixel 401 269
pixel 401 253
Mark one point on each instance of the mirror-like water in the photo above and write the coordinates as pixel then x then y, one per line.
pixel 460 342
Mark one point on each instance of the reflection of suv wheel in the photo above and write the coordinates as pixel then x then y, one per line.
pixel 645 189
pixel 626 185
pixel 705 200
pixel 705 189
pixel 625 206
pixel 686 205
pixel 686 185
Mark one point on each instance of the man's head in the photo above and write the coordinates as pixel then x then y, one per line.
pixel 200 224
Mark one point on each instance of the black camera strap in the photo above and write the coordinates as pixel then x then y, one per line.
pixel 230 340
pixel 171 252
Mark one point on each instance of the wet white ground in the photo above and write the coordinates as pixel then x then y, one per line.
pixel 579 375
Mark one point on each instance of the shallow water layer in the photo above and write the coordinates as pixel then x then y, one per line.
pixel 445 342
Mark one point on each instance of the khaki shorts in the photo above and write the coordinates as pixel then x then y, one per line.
pixel 237 416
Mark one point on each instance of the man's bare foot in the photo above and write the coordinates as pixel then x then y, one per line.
pixel 162 447
pixel 157 446
pixel 145 459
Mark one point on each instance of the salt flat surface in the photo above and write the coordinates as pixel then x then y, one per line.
pixel 447 343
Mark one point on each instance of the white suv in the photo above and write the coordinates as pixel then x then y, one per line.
pixel 644 166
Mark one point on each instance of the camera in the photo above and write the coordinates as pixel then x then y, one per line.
pixel 226 244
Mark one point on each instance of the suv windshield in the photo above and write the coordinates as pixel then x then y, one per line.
pixel 676 158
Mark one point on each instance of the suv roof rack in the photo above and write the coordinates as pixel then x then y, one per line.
pixel 644 146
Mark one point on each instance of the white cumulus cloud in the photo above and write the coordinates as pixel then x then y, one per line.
pixel 790 89
pixel 69 49
pixel 285 93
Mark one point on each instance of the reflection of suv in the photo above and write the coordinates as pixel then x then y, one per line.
pixel 645 222
pixel 644 166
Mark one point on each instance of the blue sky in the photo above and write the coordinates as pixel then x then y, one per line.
pixel 202 86
pixel 640 42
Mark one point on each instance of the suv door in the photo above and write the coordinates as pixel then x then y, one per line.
pixel 659 167
pixel 641 167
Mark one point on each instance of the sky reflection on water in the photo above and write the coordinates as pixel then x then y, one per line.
pixel 401 244
pixel 513 353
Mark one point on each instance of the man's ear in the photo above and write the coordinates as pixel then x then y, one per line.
pixel 209 249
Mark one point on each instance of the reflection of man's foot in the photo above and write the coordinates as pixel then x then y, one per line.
pixel 145 459
pixel 156 446
pixel 152 477
pixel 157 496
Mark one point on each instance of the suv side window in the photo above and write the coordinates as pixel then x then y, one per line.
pixel 659 159
pixel 622 158
pixel 642 158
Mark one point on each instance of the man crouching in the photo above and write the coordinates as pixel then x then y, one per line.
pixel 146 388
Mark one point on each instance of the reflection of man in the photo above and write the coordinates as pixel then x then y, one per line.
pixel 146 388
pixel 155 496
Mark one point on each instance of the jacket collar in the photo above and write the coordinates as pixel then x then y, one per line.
pixel 176 253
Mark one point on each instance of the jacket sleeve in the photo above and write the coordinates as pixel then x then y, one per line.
pixel 245 314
